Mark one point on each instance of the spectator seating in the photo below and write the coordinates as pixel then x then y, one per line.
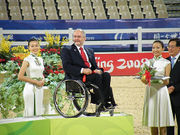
pixel 173 8
pixel 87 9
pixel 138 15
pixel 3 11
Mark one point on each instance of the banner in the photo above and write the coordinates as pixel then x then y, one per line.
pixel 89 24
pixel 123 64
pixel 93 25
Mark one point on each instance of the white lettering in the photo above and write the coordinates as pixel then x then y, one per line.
pixel 110 64
pixel 122 66
pixel 98 62
pixel 131 63
pixel 136 63
pixel 105 64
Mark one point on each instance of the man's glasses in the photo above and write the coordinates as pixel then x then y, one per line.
pixel 171 47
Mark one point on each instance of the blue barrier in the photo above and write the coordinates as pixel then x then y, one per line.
pixel 95 25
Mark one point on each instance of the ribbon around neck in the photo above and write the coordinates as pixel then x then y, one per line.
pixel 36 60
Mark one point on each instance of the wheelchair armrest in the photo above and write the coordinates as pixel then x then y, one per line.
pixel 92 85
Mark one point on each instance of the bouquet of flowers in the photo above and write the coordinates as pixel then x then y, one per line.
pixel 146 73
pixel 10 63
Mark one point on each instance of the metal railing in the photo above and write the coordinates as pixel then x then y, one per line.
pixel 139 31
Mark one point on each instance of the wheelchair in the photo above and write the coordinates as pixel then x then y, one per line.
pixel 73 98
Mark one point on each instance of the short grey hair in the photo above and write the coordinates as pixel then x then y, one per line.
pixel 83 32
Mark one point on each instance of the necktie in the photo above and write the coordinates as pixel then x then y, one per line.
pixel 83 55
pixel 172 61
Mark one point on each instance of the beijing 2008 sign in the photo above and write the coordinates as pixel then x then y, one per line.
pixel 122 64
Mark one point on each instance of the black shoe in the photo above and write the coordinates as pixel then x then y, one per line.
pixel 108 106
pixel 114 105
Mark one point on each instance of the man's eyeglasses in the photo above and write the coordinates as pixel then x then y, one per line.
pixel 171 47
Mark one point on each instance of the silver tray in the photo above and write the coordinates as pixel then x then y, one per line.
pixel 155 77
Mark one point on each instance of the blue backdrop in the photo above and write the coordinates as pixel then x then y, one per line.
pixel 96 24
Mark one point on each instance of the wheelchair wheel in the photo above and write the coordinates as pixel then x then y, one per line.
pixel 70 98
pixel 91 108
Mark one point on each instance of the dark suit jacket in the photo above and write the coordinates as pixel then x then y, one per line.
pixel 175 81
pixel 73 62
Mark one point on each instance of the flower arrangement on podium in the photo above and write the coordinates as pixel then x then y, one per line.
pixel 5 49
pixel 9 66
pixel 52 62
pixel 51 56
pixel 10 62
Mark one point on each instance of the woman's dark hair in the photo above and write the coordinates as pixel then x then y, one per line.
pixel 32 39
pixel 158 41
pixel 177 40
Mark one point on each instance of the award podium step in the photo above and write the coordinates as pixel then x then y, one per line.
pixel 119 124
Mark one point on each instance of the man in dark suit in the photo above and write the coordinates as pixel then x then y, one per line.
pixel 79 64
pixel 174 83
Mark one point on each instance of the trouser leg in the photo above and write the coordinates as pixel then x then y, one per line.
pixel 170 130
pixel 97 80
pixel 28 95
pixel 106 80
pixel 177 111
pixel 39 101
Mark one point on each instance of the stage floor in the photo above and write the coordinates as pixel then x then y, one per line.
pixel 119 124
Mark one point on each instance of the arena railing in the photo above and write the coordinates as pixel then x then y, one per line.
pixel 139 31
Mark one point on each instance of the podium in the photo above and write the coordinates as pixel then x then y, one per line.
pixel 119 124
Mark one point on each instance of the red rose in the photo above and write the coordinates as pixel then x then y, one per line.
pixel 51 71
pixel 42 50
pixel 56 72
pixel 62 71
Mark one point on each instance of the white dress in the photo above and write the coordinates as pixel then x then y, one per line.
pixel 33 95
pixel 157 107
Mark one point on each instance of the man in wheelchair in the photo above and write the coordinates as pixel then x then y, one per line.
pixel 79 64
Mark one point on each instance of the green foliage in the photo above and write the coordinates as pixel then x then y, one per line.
pixel 11 67
pixel 11 89
pixel 1 67
pixel 51 60
pixel 11 98
pixel 52 81
pixel 5 56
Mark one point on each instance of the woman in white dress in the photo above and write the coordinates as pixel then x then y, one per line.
pixel 157 112
pixel 33 92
